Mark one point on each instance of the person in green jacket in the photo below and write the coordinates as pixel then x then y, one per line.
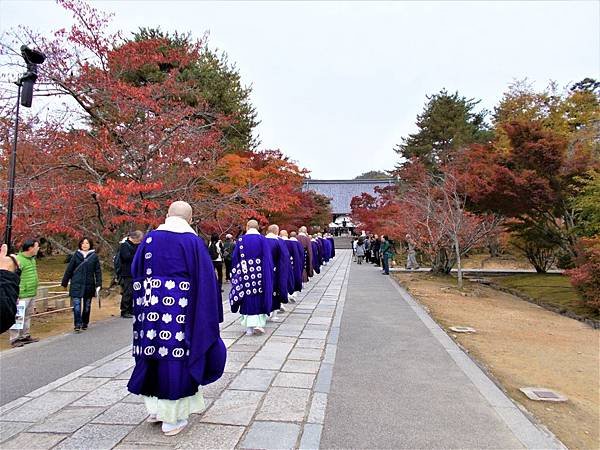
pixel 27 291
pixel 386 253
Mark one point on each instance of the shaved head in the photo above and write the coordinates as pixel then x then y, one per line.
pixel 293 234
pixel 302 230
pixel 273 229
pixel 252 224
pixel 180 209
pixel 283 233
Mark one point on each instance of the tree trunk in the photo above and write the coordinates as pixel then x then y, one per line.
pixel 441 264
pixel 62 248
pixel 458 264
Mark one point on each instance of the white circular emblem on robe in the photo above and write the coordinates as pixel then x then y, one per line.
pixel 163 351
pixel 184 285
pixel 148 351
pixel 170 284
pixel 149 239
pixel 166 317
pixel 178 352
pixel 180 318
pixel 183 302
pixel 165 335
pixel 152 316
pixel 148 255
pixel 151 334
pixel 180 335
pixel 148 271
pixel 168 301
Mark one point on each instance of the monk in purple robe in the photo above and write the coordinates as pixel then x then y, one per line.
pixel 304 239
pixel 177 311
pixel 332 243
pixel 297 262
pixel 316 255
pixel 252 280
pixel 281 270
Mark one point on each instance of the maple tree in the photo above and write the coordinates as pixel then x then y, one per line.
pixel 138 130
pixel 532 182
pixel 431 207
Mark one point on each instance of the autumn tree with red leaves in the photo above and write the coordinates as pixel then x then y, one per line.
pixel 139 129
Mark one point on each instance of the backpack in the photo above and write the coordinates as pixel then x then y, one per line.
pixel 213 251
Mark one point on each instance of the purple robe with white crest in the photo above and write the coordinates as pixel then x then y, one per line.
pixel 177 311
pixel 251 275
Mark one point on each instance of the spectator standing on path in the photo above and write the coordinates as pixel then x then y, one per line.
pixel 354 244
pixel 27 291
pixel 252 280
pixel 367 249
pixel 215 250
pixel 178 308
pixel 228 247
pixel 360 251
pixel 411 257
pixel 375 250
pixel 9 288
pixel 85 275
pixel 386 253
pixel 126 253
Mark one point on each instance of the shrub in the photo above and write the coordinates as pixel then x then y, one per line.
pixel 585 277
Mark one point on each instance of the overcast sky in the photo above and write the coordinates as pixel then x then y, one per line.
pixel 337 84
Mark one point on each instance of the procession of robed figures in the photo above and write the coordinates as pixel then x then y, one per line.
pixel 177 305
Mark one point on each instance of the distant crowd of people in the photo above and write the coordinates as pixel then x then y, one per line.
pixel 379 250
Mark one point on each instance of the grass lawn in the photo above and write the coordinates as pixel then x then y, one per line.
pixel 554 290
pixel 52 268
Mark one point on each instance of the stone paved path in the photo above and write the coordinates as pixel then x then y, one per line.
pixel 275 392
pixel 401 382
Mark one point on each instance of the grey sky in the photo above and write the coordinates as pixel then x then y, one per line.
pixel 337 84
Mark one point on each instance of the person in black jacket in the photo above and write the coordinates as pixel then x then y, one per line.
pixel 85 275
pixel 9 289
pixel 126 253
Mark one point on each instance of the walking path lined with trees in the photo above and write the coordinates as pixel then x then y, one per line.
pixel 311 375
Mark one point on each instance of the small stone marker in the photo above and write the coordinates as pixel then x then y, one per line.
pixel 463 329
pixel 543 394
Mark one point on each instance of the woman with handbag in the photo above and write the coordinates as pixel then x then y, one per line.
pixel 85 275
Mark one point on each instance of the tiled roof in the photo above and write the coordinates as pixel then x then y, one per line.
pixel 341 192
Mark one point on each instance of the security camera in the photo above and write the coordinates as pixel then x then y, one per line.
pixel 32 56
